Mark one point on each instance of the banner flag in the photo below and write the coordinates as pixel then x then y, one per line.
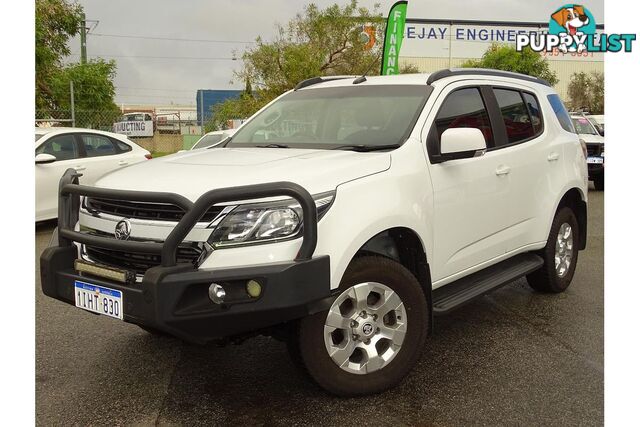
pixel 393 38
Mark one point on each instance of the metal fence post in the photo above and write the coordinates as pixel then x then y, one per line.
pixel 73 105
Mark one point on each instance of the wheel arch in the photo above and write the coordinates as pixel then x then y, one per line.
pixel 575 199
pixel 403 245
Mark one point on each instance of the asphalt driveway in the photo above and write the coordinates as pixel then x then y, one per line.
pixel 512 358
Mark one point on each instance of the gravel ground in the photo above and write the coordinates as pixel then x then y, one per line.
pixel 511 358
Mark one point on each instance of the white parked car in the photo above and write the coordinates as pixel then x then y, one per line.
pixel 588 132
pixel 92 153
pixel 344 216
pixel 211 139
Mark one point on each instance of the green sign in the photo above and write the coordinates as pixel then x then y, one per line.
pixel 393 38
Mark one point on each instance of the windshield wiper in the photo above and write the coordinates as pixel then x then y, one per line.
pixel 273 146
pixel 365 148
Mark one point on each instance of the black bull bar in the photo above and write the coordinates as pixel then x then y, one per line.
pixel 69 207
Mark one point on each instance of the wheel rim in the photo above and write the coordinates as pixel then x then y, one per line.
pixel 365 328
pixel 564 250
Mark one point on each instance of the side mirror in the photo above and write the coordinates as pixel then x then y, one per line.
pixel 461 143
pixel 43 159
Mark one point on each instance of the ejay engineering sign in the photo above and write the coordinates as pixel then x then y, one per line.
pixel 469 39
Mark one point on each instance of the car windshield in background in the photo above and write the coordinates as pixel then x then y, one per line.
pixel 208 141
pixel 340 117
pixel 38 136
pixel 583 126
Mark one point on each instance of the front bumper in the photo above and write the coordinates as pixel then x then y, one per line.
pixel 175 299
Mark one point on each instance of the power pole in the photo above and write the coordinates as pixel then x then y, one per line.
pixel 83 40
pixel 73 104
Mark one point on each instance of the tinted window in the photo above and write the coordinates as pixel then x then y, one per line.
pixel 534 111
pixel 208 141
pixel 98 145
pixel 63 147
pixel 561 113
pixel 464 108
pixel 583 126
pixel 121 145
pixel 514 115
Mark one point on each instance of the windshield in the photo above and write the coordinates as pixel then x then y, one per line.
pixel 208 141
pixel 583 126
pixel 38 136
pixel 328 118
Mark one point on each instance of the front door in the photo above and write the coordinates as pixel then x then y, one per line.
pixel 471 203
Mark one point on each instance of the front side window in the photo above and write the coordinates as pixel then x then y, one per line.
pixel 63 147
pixel 337 117
pixel 464 108
pixel 97 145
pixel 515 115
pixel 561 113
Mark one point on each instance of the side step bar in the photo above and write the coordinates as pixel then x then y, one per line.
pixel 460 292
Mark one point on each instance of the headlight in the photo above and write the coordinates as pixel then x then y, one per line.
pixel 264 222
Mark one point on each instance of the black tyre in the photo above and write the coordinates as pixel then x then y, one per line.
pixel 560 255
pixel 373 333
pixel 598 182
pixel 153 331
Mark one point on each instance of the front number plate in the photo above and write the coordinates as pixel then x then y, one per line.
pixel 98 299
pixel 595 160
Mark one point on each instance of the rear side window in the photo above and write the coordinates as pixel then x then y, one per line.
pixel 561 113
pixel 464 108
pixel 121 145
pixel 534 111
pixel 515 115
pixel 98 145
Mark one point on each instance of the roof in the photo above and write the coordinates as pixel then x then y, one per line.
pixel 49 130
pixel 420 79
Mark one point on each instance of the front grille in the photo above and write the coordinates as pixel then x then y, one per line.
pixel 141 210
pixel 594 149
pixel 135 261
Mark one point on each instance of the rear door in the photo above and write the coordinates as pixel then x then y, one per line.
pixel 535 164
pixel 68 155
pixel 471 204
pixel 102 155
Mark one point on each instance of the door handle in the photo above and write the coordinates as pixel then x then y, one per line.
pixel 123 163
pixel 553 156
pixel 503 170
pixel 79 168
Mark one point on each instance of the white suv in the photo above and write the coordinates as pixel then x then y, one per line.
pixel 343 217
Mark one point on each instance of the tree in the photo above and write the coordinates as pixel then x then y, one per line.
pixel 93 90
pixel 56 22
pixel 317 42
pixel 586 92
pixel 507 58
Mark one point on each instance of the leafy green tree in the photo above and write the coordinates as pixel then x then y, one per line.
pixel 586 92
pixel 507 58
pixel 56 22
pixel 93 90
pixel 317 42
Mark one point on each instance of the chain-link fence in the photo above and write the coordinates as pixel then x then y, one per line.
pixel 156 129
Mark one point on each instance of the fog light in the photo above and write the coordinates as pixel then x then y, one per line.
pixel 216 293
pixel 254 289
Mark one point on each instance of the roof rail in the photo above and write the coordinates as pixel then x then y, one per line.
pixel 315 80
pixel 441 74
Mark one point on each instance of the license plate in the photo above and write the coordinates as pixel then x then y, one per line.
pixel 595 160
pixel 98 299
